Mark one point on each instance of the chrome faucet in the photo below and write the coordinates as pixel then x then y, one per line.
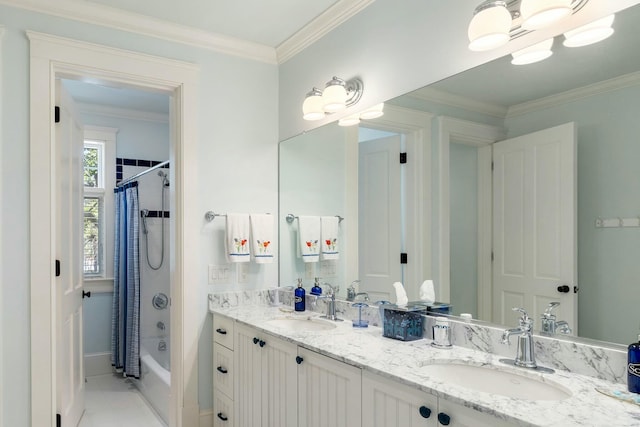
pixel 351 291
pixel 550 325
pixel 331 303
pixel 525 352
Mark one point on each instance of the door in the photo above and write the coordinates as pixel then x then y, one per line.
pixel 69 284
pixel 380 229
pixel 248 372
pixel 535 225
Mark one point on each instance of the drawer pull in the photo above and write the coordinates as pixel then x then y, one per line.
pixel 222 370
pixel 444 419
pixel 222 416
pixel 425 412
pixel 221 331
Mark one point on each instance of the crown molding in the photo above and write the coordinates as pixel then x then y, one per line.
pixel 616 83
pixel 122 113
pixel 337 14
pixel 452 100
pixel 97 14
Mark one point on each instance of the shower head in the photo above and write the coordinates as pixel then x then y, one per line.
pixel 165 178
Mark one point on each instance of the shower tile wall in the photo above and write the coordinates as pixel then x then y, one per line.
pixel 150 191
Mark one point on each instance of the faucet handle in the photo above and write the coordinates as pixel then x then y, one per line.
pixel 526 322
pixel 547 313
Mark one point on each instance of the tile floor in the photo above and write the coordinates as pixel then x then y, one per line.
pixel 112 401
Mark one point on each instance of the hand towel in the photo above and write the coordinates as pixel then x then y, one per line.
pixel 309 235
pixel 237 238
pixel 262 238
pixel 329 237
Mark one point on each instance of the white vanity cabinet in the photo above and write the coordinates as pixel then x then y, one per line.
pixel 328 391
pixel 223 371
pixel 387 403
pixel 265 386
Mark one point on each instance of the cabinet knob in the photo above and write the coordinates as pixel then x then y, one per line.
pixel 262 343
pixel 299 360
pixel 221 331
pixel 222 370
pixel 255 340
pixel 424 411
pixel 444 419
pixel 222 416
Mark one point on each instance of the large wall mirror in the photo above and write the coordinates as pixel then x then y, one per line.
pixel 556 220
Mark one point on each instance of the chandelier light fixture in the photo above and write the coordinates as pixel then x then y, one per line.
pixel 496 22
pixel 337 95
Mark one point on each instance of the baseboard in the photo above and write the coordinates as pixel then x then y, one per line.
pixel 97 364
pixel 206 418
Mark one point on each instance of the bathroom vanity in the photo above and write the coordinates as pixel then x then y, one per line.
pixel 273 367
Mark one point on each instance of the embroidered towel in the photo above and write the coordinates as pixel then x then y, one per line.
pixel 237 238
pixel 261 238
pixel 329 237
pixel 309 235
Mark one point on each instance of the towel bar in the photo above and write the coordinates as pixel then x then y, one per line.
pixel 210 215
pixel 291 217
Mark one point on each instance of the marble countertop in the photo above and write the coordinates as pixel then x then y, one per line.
pixel 367 349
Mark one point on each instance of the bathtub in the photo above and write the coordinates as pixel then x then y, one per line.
pixel 155 377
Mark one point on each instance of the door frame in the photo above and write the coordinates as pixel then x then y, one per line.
pixel 416 126
pixel 51 57
pixel 481 136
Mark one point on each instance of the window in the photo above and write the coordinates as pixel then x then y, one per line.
pixel 99 180
pixel 93 229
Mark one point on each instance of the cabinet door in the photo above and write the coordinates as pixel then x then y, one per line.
pixel 328 392
pixel 386 403
pixel 279 383
pixel 248 374
pixel 460 416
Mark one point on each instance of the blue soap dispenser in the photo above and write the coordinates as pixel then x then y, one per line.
pixel 299 297
pixel 316 289
pixel 633 367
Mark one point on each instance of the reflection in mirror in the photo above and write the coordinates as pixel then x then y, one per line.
pixel 595 92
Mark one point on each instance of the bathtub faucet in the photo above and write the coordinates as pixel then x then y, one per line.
pixel 162 345
pixel 160 326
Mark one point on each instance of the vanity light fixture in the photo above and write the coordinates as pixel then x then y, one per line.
pixel 368 114
pixel 537 14
pixel 337 95
pixel 490 26
pixel 590 33
pixel 534 53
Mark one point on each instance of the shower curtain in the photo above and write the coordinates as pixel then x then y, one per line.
pixel 125 318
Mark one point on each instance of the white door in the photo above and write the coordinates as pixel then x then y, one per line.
pixel 535 225
pixel 380 228
pixel 69 185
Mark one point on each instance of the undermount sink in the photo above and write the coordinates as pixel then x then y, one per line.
pixel 300 324
pixel 494 380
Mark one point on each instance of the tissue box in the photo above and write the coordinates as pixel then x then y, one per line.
pixel 403 323
pixel 433 307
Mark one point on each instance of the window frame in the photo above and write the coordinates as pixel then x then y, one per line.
pixel 103 138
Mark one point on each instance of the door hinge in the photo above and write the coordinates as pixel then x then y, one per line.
pixel 492 165
pixel 403 158
pixel 58 420
pixel 57 268
pixel 57 114
pixel 491 256
pixel 403 258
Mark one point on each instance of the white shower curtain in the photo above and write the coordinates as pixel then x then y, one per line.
pixel 125 319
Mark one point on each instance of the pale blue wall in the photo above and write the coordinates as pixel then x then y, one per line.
pixel 237 116
pixel 608 186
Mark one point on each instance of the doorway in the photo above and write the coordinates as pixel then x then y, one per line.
pixel 54 57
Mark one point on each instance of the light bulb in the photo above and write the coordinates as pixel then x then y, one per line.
pixel 534 53
pixel 373 112
pixel 312 105
pixel 590 33
pixel 538 14
pixel 489 28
